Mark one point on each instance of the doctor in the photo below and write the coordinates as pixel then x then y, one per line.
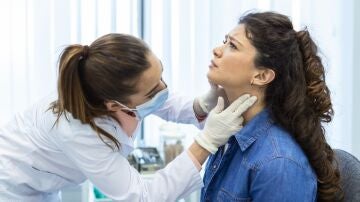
pixel 86 130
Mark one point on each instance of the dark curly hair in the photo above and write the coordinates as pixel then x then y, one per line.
pixel 298 97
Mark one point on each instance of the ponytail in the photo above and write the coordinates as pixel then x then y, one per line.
pixel 318 95
pixel 71 95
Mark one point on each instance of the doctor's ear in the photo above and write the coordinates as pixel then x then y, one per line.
pixel 263 77
pixel 112 106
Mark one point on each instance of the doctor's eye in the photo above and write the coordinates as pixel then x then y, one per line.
pixel 152 95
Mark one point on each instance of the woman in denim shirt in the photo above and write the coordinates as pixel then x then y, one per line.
pixel 281 153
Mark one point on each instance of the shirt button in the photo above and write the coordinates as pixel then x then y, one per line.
pixel 214 166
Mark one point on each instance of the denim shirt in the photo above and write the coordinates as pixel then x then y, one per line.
pixel 261 163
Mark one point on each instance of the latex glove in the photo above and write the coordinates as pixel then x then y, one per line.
pixel 205 103
pixel 222 124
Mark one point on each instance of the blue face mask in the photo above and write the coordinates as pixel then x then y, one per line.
pixel 150 106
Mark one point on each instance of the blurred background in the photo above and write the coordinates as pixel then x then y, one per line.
pixel 182 33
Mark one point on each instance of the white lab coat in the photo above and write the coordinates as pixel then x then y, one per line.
pixel 37 160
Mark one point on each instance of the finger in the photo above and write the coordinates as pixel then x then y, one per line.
pixel 241 120
pixel 213 86
pixel 237 102
pixel 219 106
pixel 245 105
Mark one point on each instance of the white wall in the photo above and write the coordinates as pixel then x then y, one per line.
pixel 33 34
pixel 184 32
pixel 355 82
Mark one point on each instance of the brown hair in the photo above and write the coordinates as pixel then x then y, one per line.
pixel 298 98
pixel 108 69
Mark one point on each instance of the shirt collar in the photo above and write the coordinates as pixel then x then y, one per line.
pixel 253 129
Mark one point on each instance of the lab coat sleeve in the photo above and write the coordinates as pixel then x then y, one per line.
pixel 110 172
pixel 179 109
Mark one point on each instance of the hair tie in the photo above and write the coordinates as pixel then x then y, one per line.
pixel 85 52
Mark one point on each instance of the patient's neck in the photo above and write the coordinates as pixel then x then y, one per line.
pixel 258 106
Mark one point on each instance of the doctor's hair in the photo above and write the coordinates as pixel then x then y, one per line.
pixel 298 97
pixel 89 76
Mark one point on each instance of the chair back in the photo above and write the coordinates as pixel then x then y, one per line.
pixel 349 167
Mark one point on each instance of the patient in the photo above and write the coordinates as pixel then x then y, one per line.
pixel 281 153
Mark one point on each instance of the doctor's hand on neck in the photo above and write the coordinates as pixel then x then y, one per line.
pixel 220 125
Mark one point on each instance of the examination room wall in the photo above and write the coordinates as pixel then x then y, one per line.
pixel 182 33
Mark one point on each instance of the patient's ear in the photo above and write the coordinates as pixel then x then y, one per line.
pixel 262 77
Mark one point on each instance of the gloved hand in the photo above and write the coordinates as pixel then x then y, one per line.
pixel 205 103
pixel 222 124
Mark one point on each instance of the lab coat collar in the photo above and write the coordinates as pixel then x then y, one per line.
pixel 111 126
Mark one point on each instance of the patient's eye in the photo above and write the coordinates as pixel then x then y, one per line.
pixel 232 45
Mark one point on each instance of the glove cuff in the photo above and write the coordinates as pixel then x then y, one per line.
pixel 203 142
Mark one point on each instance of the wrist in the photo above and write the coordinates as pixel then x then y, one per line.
pixel 205 143
pixel 199 152
pixel 194 160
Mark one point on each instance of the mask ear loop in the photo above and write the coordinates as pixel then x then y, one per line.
pixel 130 113
pixel 126 109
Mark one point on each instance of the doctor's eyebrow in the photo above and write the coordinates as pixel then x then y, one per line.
pixel 153 89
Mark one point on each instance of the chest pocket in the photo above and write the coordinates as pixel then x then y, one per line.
pixel 224 196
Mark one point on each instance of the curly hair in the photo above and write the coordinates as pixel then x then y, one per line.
pixel 298 97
